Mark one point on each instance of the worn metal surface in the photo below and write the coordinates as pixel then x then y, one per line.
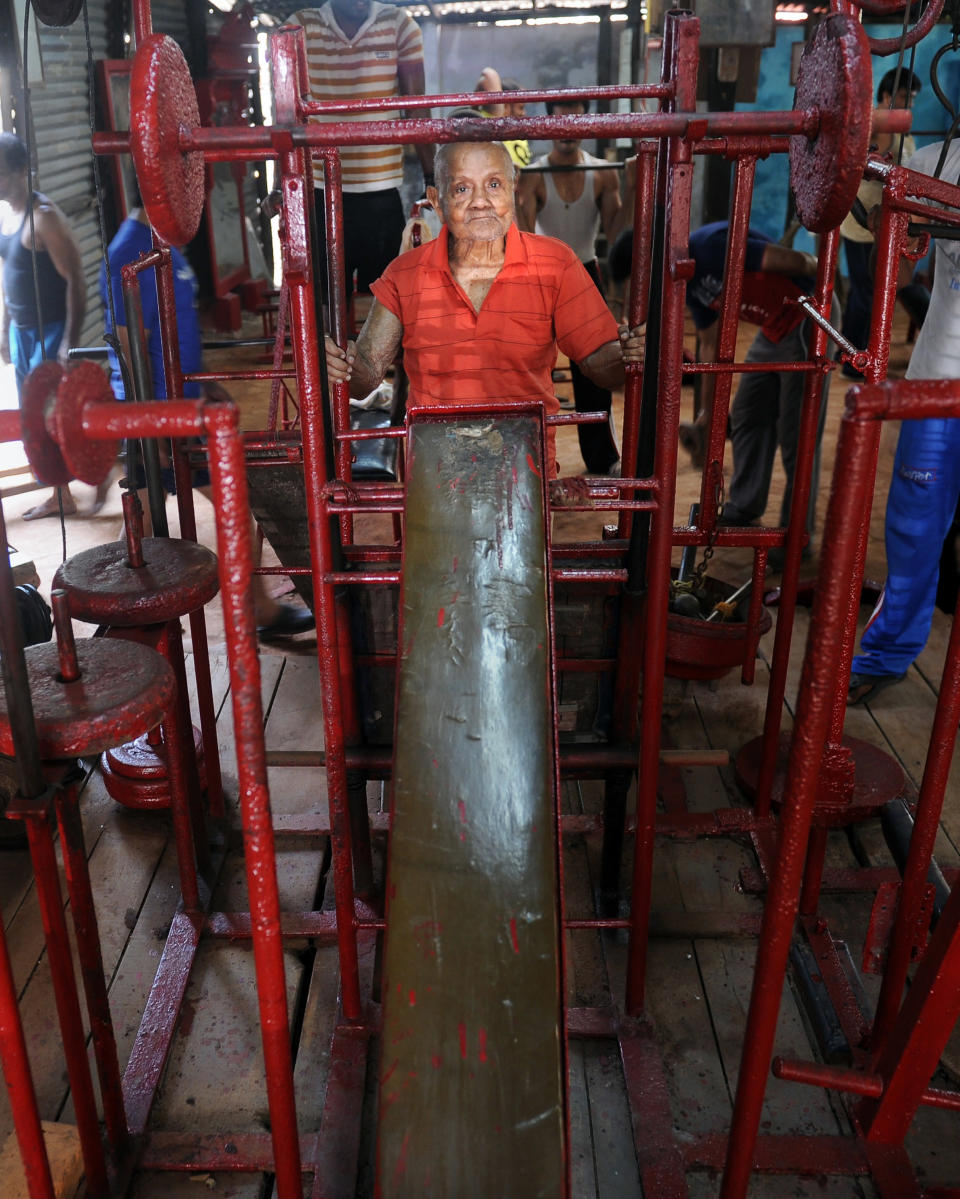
pixel 87 460
pixel 177 577
pixel 471 1076
pixel 835 77
pixel 43 453
pixel 123 689
pixel 163 97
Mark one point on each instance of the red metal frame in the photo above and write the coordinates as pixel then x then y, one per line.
pixel 676 133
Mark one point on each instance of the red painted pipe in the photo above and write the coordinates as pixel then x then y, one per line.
pixel 235 562
pixel 681 57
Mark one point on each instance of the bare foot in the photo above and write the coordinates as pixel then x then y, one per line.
pixel 50 507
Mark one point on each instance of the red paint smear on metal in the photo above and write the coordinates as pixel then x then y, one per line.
pixel 440 616
pixel 400 1168
pixel 386 1077
pixel 413 997
pixel 462 1030
pixel 455 561
pixel 532 464
pixel 482 1044
pixel 436 1061
pixel 514 940
pixel 462 809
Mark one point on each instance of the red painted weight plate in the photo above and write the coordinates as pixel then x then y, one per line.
pixel 836 80
pixel 89 461
pixel 162 100
pixel 123 690
pixel 177 577
pixel 43 453
pixel 57 12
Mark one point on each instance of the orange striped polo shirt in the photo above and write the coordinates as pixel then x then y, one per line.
pixel 361 68
pixel 541 299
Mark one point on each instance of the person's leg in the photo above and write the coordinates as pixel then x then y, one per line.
pixel 753 433
pixel 920 506
pixel 792 386
pixel 27 351
pixel 372 228
pixel 597 445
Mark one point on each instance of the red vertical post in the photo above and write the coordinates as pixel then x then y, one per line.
pixel 681 56
pixel 305 340
pixel 173 374
pixel 228 469
pixel 68 1005
pixel 20 1092
pixel 806 449
pixel 91 964
pixel 817 686
pixel 711 486
pixel 943 736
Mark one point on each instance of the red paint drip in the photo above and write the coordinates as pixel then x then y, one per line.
pixel 436 1061
pixel 532 464
pixel 482 1044
pixel 440 616
pixel 413 997
pixel 462 809
pixel 462 1030
pixel 386 1077
pixel 455 561
pixel 514 941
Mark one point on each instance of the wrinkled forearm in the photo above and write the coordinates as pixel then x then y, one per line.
pixel 605 366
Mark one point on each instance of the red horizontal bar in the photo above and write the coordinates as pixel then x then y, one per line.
pixel 641 91
pixel 854 1082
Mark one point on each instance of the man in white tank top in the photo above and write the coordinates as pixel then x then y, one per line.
pixel 571 203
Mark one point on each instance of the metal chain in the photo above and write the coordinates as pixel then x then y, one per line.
pixel 701 569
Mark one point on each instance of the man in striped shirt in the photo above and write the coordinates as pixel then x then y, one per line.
pixel 481 309
pixel 359 50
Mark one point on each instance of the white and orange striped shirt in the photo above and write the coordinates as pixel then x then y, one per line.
pixel 358 68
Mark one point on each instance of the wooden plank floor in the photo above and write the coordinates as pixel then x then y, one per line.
pixel 698 984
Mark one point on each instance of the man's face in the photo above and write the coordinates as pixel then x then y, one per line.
pixel 351 10
pixel 568 145
pixel 478 204
pixel 516 109
pixel 900 100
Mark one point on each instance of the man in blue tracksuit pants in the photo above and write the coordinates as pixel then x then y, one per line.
pixel 925 484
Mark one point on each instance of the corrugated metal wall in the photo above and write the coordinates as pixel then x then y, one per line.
pixel 61 129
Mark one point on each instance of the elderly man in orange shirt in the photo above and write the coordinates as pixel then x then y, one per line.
pixel 481 310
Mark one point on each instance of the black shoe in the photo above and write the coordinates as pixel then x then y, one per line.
pixel 866 687
pixel 287 623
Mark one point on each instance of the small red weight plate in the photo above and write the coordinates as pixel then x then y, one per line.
pixel 162 101
pixel 89 461
pixel 836 81
pixel 43 453
pixel 57 12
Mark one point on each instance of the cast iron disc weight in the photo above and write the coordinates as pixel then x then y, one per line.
pixel 124 689
pixel 89 461
pixel 57 12
pixel 43 453
pixel 177 577
pixel 836 79
pixel 162 100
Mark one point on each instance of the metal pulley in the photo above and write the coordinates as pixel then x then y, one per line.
pixel 57 12
pixel 836 80
pixel 51 422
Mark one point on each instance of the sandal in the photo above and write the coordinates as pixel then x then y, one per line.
pixel 866 687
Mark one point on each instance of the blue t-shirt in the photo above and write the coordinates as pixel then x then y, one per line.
pixel 708 249
pixel 132 239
